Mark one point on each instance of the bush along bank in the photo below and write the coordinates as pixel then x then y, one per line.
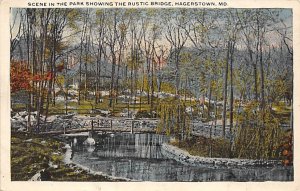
pixel 185 158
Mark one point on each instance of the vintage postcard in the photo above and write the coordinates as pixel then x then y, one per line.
pixel 153 95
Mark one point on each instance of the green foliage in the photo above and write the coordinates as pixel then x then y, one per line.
pixel 276 89
pixel 145 83
pixel 205 147
pixel 27 162
pixel 173 119
pixel 257 133
pixel 167 87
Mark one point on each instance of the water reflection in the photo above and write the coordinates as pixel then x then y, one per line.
pixel 139 157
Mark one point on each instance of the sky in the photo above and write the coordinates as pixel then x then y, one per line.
pixel 273 38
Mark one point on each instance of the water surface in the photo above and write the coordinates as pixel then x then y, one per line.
pixel 139 157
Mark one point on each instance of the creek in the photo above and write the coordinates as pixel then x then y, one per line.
pixel 139 157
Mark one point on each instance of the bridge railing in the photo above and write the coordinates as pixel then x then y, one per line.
pixel 86 122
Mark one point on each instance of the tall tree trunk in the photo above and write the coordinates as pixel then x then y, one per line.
pixel 83 34
pixel 112 85
pixel 225 91
pixel 232 44
pixel 262 76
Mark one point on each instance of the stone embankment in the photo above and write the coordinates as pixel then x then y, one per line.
pixel 184 157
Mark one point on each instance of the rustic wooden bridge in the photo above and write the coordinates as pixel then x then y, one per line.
pixel 102 130
pixel 106 125
pixel 110 125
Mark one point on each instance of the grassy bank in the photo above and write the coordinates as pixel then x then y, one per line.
pixel 220 148
pixel 204 147
pixel 32 153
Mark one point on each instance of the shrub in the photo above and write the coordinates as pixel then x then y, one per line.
pixel 257 132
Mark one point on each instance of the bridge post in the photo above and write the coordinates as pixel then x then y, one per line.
pixel 111 124
pixel 92 132
pixel 131 128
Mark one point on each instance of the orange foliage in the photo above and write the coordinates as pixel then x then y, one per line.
pixel 21 77
pixel 287 150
